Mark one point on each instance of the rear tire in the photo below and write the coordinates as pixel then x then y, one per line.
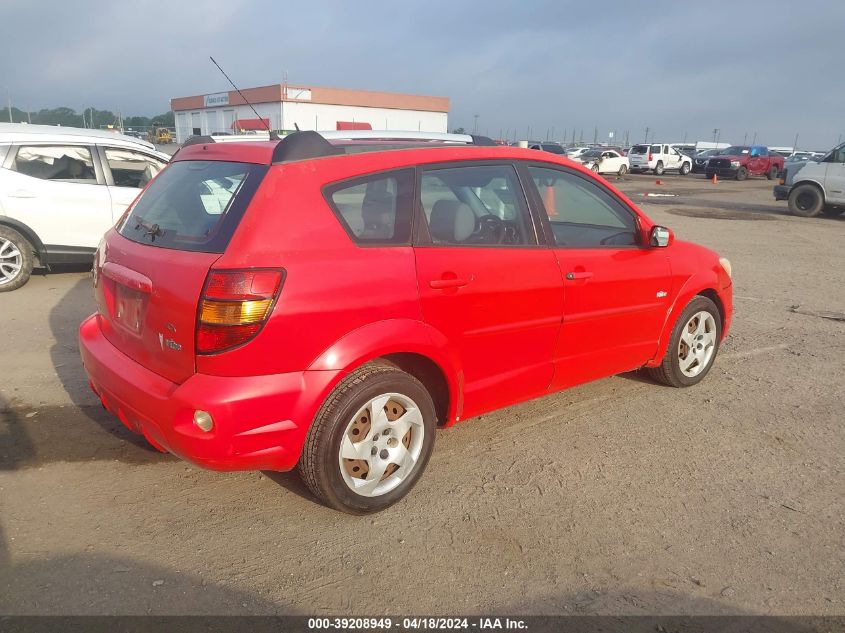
pixel 693 346
pixel 595 168
pixel 623 169
pixel 685 168
pixel 17 258
pixel 806 201
pixel 772 173
pixel 741 173
pixel 337 469
pixel 658 168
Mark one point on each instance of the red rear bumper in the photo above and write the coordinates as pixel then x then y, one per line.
pixel 260 422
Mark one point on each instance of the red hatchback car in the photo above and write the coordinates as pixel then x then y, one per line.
pixel 328 305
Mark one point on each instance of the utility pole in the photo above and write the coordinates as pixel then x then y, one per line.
pixel 646 136
pixel 9 104
pixel 795 143
pixel 581 137
pixel 475 125
pixel 595 135
pixel 553 132
pixel 754 140
pixel 744 138
pixel 715 136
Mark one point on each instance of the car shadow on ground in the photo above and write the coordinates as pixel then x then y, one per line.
pixel 94 583
pixel 83 431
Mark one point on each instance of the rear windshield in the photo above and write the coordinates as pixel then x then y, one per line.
pixel 639 149
pixel 193 205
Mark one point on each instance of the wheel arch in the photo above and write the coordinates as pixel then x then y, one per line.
pixel 412 346
pixel 814 183
pixel 705 286
pixel 30 235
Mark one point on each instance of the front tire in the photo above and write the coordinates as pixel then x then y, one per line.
pixel 685 168
pixel 16 259
pixel 623 169
pixel 595 168
pixel 741 173
pixel 370 441
pixel 658 168
pixel 693 346
pixel 806 201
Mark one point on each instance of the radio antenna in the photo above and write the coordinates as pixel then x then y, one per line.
pixel 273 135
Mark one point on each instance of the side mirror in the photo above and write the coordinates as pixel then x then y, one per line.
pixel 660 237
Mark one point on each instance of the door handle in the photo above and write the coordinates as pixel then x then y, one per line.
pixel 20 193
pixel 439 284
pixel 578 275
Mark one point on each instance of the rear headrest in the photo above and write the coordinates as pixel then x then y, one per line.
pixel 451 221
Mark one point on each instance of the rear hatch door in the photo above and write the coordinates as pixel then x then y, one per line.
pixel 638 156
pixel 151 268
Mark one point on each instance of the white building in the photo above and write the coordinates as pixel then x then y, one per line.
pixel 284 107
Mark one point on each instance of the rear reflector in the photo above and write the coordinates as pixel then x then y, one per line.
pixel 234 307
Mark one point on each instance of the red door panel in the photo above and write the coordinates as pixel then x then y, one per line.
pixel 615 305
pixel 501 309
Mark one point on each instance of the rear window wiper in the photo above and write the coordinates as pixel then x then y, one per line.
pixel 151 230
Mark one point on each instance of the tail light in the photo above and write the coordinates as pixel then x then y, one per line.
pixel 234 306
pixel 650 157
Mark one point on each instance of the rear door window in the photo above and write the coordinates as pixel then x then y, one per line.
pixel 69 163
pixel 193 205
pixel 131 169
pixel 655 149
pixel 375 209
pixel 475 206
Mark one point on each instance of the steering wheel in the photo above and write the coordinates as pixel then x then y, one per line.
pixel 490 226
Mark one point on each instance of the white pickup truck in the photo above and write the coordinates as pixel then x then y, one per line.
pixel 814 188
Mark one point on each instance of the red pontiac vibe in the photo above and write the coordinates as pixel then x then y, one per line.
pixel 328 303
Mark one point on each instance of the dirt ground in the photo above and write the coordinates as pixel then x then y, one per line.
pixel 619 497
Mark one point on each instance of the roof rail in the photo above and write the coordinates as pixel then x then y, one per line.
pixel 395 135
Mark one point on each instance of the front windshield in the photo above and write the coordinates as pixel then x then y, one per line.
pixel 593 153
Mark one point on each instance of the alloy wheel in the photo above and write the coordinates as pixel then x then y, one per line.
pixel 697 344
pixel 381 445
pixel 11 261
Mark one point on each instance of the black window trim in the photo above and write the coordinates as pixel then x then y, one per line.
pixel 537 201
pixel 12 156
pixel 331 188
pixel 422 236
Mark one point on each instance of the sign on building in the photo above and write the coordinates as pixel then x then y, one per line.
pixel 218 99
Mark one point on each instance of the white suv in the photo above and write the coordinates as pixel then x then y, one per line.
pixel 658 157
pixel 61 189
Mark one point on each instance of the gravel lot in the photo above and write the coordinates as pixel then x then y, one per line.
pixel 620 496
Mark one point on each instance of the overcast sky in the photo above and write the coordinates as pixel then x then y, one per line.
pixel 680 68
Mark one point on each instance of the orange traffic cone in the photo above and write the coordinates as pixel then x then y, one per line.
pixel 549 201
pixel 658 182
pixel 715 180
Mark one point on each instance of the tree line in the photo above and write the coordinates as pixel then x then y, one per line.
pixel 90 117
